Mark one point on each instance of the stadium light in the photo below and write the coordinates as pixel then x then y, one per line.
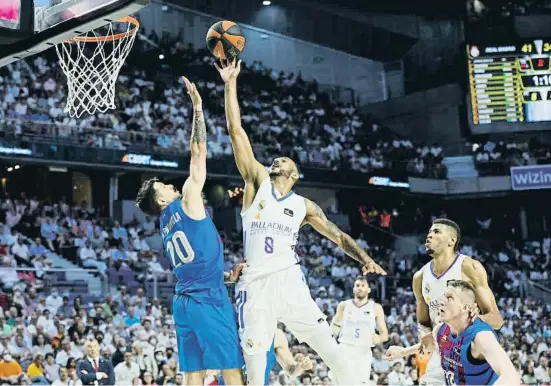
pixel 10 169
pixel 16 167
pixel 161 56
pixel 266 2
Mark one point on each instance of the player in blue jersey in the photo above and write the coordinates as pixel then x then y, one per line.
pixel 469 350
pixel 279 352
pixel 205 320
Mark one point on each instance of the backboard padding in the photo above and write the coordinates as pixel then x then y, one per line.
pixel 45 36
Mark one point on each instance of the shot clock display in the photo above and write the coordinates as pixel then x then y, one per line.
pixel 510 86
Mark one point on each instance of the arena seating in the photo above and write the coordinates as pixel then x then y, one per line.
pixel 283 114
pixel 49 303
pixel 496 158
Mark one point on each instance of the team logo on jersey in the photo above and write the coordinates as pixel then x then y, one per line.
pixel 445 343
pixel 250 343
pixel 288 212
pixel 427 288
pixel 261 204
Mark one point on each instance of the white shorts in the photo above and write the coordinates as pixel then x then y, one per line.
pixel 360 359
pixel 279 297
pixel 434 376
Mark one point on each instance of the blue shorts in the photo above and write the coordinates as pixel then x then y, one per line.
pixel 207 335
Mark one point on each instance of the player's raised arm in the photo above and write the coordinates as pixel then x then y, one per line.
pixel 250 169
pixel 191 192
pixel 485 346
pixel 293 366
pixel 477 276
pixel 319 221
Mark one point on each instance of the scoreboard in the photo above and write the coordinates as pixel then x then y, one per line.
pixel 509 84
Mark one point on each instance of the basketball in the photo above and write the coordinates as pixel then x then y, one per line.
pixel 225 39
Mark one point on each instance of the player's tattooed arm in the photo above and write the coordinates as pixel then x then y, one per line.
pixel 198 146
pixel 199 128
pixel 319 221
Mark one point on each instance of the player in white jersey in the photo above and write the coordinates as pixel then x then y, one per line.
pixel 355 323
pixel 272 287
pixel 430 283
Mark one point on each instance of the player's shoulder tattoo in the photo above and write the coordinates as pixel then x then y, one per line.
pixel 314 209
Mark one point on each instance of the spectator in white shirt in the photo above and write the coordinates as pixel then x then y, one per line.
pixel 126 372
pixel 67 352
pixel 396 377
pixel 20 250
pixel 542 371
pixel 8 275
pixel 379 364
pixel 66 380
pixel 89 259
pixel 54 301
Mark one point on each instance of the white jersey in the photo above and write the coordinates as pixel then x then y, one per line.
pixel 434 286
pixel 270 231
pixel 433 289
pixel 358 324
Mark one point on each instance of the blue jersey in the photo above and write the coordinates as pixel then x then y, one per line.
pixel 196 253
pixel 460 368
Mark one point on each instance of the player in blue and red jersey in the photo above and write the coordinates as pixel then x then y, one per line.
pixel 470 352
pixel 206 327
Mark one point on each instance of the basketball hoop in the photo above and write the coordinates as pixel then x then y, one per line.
pixel 91 62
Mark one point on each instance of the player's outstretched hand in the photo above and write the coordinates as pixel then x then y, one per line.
pixel 427 342
pixel 373 267
pixel 228 70
pixel 236 272
pixel 304 362
pixel 193 93
pixel 393 353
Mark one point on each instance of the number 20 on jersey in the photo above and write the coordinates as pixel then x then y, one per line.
pixel 179 249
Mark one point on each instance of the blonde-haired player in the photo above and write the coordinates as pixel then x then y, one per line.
pixel 430 283
pixel 355 323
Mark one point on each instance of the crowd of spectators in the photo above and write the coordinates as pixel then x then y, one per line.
pixel 496 158
pixel 45 333
pixel 283 114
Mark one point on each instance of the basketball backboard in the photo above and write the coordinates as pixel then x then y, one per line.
pixel 31 26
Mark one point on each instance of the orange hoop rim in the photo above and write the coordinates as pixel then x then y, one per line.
pixel 97 39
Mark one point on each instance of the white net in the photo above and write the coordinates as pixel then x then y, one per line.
pixel 92 63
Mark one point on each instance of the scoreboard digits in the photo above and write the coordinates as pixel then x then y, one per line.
pixel 510 83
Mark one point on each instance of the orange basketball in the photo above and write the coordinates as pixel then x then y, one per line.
pixel 225 39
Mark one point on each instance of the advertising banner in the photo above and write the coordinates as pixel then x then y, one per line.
pixel 531 177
